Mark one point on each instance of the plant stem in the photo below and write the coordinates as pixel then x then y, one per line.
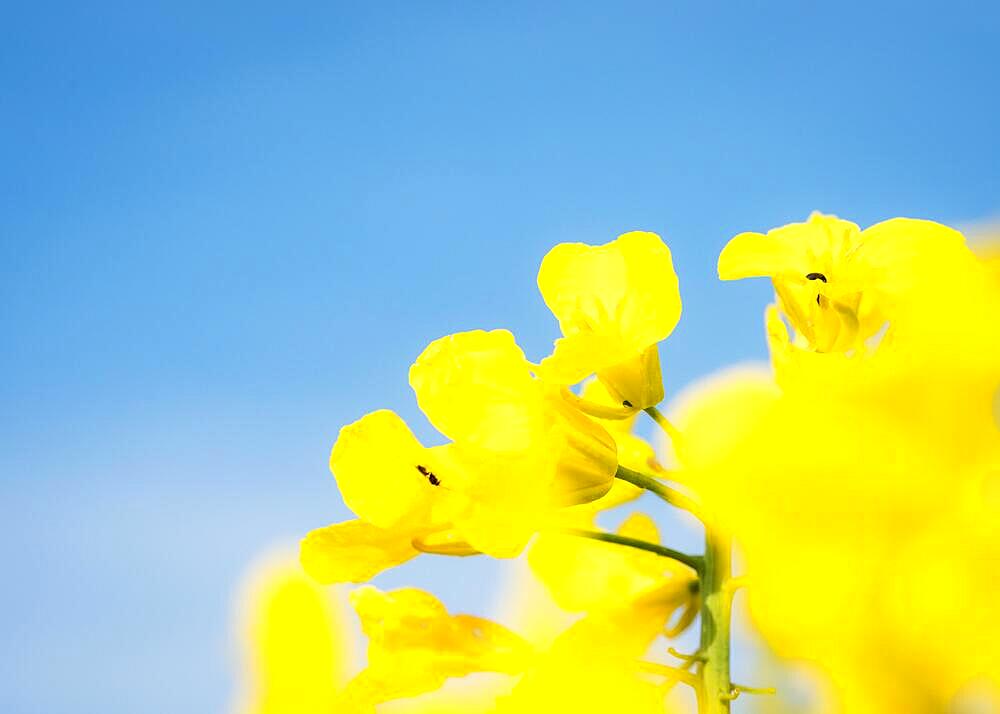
pixel 654 485
pixel 692 561
pixel 715 616
pixel 664 423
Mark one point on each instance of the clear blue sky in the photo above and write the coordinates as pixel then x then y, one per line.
pixel 225 232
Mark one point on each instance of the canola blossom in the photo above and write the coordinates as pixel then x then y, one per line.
pixel 856 479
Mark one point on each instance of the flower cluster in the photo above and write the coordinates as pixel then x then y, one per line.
pixel 859 478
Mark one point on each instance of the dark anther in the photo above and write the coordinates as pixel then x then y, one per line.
pixel 627 403
pixel 435 481
pixel 816 276
pixel 818 302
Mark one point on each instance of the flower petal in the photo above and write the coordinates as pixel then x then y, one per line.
pixel 755 255
pixel 375 462
pixel 476 387
pixel 354 551
pixel 626 289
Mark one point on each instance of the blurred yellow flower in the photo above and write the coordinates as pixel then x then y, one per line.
pixel 297 650
pixel 415 645
pixel 841 480
pixel 585 575
pixel 614 303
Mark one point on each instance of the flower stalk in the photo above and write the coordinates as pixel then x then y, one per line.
pixel 716 686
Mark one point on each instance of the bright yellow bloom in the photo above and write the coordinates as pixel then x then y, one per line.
pixel 521 449
pixel 837 284
pixel 585 575
pixel 614 303
pixel 842 486
pixel 390 481
pixel 415 645
pixel 296 645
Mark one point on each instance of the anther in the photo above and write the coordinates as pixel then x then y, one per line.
pixel 627 403
pixel 816 276
pixel 434 480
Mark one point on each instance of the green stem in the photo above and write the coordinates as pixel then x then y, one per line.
pixel 664 423
pixel 654 485
pixel 715 618
pixel 692 561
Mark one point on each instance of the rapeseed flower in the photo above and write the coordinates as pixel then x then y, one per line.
pixel 614 302
pixel 519 451
pixel 296 646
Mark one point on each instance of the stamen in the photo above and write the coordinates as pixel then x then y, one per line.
pixel 434 480
pixel 816 276
pixel 627 403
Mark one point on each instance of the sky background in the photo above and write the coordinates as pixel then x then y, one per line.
pixel 226 231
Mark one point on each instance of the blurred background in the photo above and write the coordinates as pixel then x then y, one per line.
pixel 227 230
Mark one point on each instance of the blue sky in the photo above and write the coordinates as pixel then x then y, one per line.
pixel 226 231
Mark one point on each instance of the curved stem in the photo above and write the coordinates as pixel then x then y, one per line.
pixel 692 561
pixel 669 429
pixel 654 485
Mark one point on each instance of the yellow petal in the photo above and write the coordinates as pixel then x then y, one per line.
pixel 582 354
pixel 633 451
pixel 585 575
pixel 354 551
pixel 637 382
pixel 791 252
pixel 652 306
pixel 375 461
pixel 586 456
pixel 902 255
pixel 625 289
pixel 415 645
pixel 754 255
pixel 476 387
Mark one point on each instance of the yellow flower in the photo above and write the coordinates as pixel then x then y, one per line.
pixel 591 668
pixel 391 483
pixel 585 575
pixel 296 644
pixel 415 645
pixel 835 487
pixel 837 284
pixel 614 303
pixel 521 450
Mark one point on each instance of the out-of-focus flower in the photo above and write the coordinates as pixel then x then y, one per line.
pixel 415 645
pixel 592 668
pixel 590 576
pixel 297 650
pixel 614 303
pixel 848 482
